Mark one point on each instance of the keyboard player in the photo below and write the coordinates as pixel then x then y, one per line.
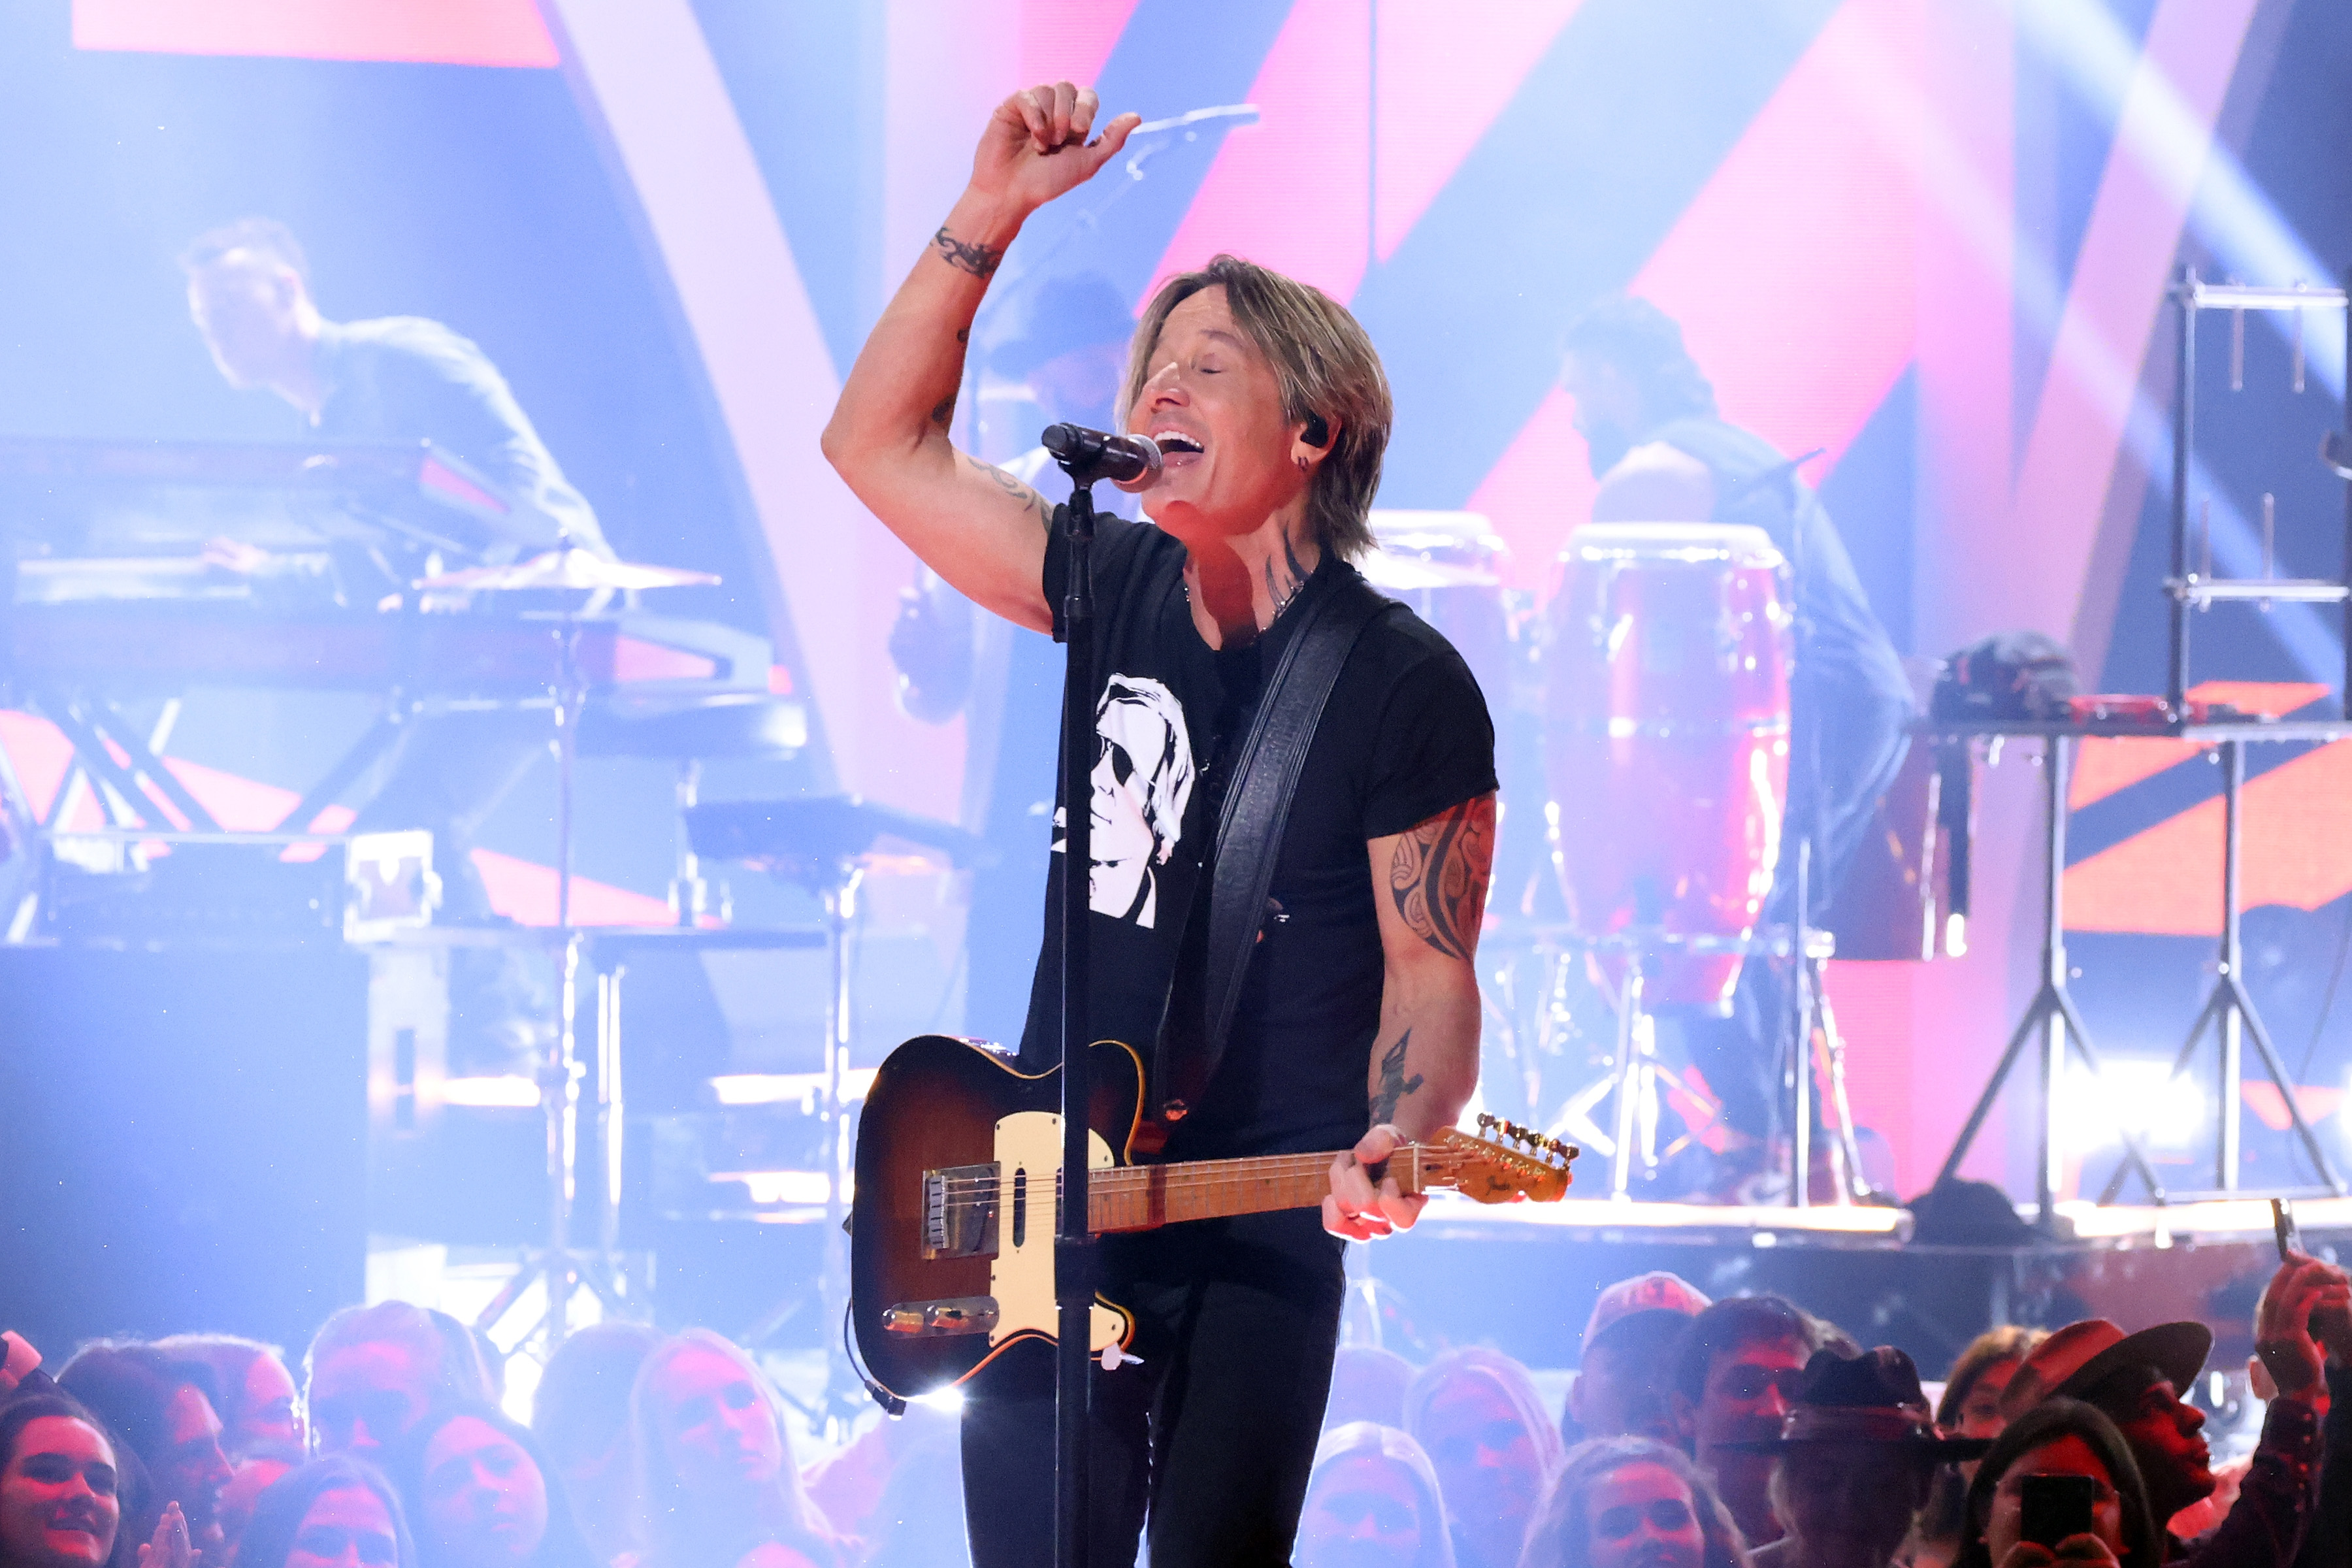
pixel 404 377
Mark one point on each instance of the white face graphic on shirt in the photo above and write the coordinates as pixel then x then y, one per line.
pixel 1142 779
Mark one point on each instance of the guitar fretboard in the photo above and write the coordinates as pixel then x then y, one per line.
pixel 1136 1197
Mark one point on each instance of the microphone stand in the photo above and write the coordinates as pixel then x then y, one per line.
pixel 1073 1243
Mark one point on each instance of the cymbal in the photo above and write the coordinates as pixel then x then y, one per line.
pixel 569 567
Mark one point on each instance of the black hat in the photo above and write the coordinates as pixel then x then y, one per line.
pixel 1871 1399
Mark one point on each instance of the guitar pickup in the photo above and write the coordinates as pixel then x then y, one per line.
pixel 959 1204
pixel 957 1315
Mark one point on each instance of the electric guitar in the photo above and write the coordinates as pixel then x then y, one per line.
pixel 959 1180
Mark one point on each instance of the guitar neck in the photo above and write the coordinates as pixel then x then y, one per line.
pixel 1140 1197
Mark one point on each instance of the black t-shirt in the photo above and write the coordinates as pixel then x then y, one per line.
pixel 1406 736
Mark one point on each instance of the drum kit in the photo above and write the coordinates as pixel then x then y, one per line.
pixel 1649 704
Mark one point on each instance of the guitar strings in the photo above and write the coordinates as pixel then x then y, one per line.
pixel 965 1193
pixel 1277 1167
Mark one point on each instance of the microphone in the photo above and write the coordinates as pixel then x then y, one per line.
pixel 1130 462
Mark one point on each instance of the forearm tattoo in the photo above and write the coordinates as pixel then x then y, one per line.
pixel 980 260
pixel 1394 1085
pixel 1014 489
pixel 1438 876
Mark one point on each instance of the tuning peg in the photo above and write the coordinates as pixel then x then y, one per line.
pixel 1488 1123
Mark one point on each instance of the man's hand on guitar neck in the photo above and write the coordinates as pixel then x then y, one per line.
pixel 1357 1210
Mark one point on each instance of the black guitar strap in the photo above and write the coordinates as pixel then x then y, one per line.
pixel 1257 802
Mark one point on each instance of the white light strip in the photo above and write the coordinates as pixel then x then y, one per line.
pixel 507 1092
pixel 779 1088
pixel 768 1187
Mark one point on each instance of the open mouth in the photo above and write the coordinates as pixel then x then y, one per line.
pixel 1175 443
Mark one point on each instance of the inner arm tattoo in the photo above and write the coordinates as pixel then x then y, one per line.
pixel 1012 487
pixel 1438 876
pixel 1394 1085
pixel 980 260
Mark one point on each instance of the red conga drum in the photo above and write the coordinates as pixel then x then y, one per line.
pixel 1666 743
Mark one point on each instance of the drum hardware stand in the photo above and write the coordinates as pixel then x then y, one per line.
pixel 561 1267
pixel 836 880
pixel 2230 1012
pixel 2052 1018
pixel 1814 1018
pixel 1634 1075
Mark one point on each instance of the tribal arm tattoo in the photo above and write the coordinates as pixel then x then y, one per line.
pixel 1438 876
pixel 1015 490
pixel 1394 1085
pixel 980 260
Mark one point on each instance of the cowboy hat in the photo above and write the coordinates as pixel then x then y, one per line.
pixel 1874 1400
pixel 2078 1358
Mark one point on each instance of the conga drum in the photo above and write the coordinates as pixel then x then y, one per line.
pixel 1667 745
pixel 1448 566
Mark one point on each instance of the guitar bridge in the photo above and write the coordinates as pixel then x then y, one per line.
pixel 959 1204
pixel 958 1315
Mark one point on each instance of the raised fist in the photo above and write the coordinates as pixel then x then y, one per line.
pixel 1036 146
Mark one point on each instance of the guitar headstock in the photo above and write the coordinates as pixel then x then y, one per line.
pixel 1502 1163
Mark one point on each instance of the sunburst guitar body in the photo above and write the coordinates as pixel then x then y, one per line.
pixel 959 1174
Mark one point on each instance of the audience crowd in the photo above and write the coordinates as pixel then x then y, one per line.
pixel 1745 1433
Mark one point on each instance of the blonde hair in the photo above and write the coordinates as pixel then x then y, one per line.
pixel 1326 368
pixel 668 1517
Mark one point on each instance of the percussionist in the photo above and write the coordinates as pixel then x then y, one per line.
pixel 1665 454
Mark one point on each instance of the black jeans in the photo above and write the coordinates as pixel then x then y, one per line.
pixel 1211 1438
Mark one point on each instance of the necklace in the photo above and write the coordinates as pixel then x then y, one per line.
pixel 1296 587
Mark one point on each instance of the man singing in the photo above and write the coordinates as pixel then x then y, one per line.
pixel 1357 1018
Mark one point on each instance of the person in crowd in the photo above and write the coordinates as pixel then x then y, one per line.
pixel 2327 1540
pixel 260 1408
pixel 715 1464
pixel 1631 1502
pixel 162 1409
pixel 1970 1407
pixel 61 1490
pixel 334 1512
pixel 1069 350
pixel 20 1366
pixel 1853 1461
pixel 478 1492
pixel 253 1477
pixel 1623 1384
pixel 2135 1380
pixel 1372 1501
pixel 375 1371
pixel 581 1416
pixel 1737 1374
pixel 2060 1438
pixel 1368 1383
pixel 1476 1414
